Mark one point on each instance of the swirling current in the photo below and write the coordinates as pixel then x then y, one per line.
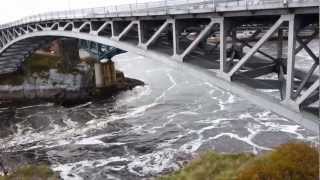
pixel 145 132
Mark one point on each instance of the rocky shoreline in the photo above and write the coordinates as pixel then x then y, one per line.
pixel 64 97
pixel 55 85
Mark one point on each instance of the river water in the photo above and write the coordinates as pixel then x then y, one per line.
pixel 145 132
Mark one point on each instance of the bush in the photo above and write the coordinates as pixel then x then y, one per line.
pixel 294 161
pixel 38 63
pixel 211 166
pixel 32 172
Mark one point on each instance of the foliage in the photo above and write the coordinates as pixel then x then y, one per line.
pixel 292 161
pixel 211 166
pixel 32 172
pixel 38 63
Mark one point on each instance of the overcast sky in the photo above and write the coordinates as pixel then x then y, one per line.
pixel 11 10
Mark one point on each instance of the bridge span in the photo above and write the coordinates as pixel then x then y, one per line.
pixel 226 38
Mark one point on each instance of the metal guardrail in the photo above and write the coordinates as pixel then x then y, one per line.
pixel 164 7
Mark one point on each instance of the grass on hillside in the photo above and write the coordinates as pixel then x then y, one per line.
pixel 293 161
pixel 32 172
pixel 211 166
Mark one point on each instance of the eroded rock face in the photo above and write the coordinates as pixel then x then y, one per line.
pixel 51 85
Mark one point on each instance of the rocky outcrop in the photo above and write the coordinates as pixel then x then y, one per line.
pixel 52 85
pixel 65 88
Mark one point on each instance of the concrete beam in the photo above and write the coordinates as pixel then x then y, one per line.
pixel 107 23
pixel 156 35
pixel 53 25
pixel 307 49
pixel 126 30
pixel 259 51
pixel 5 36
pixel 69 23
pixel 82 26
pixel 308 92
pixel 307 41
pixel 254 49
pixel 204 33
pixel 23 30
pixel 305 81
pixel 29 27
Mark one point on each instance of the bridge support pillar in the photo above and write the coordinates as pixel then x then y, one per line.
pixel 98 75
pixel 224 29
pixel 291 57
pixel 176 39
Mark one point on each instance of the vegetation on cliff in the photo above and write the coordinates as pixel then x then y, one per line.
pixel 37 63
pixel 293 161
pixel 32 172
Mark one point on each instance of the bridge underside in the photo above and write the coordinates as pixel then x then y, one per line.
pixel 267 56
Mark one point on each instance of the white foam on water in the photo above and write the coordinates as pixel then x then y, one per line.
pixel 82 105
pixel 38 105
pixel 71 171
pixel 154 163
pixel 96 140
pixel 133 95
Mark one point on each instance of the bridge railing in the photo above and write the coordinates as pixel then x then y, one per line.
pixel 164 7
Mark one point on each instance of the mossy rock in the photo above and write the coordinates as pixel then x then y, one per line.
pixel 32 172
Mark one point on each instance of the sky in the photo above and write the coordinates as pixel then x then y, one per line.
pixel 11 10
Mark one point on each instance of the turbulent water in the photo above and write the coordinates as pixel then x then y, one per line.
pixel 148 131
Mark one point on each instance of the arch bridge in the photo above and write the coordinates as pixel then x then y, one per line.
pixel 249 46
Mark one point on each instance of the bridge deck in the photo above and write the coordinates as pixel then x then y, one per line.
pixel 170 7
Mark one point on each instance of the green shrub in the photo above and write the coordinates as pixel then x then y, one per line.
pixel 294 161
pixel 32 172
pixel 211 166
pixel 38 63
